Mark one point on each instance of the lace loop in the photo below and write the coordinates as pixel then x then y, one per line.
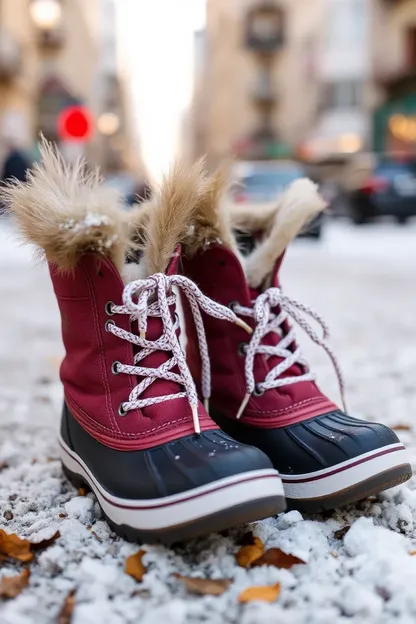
pixel 153 297
pixel 267 321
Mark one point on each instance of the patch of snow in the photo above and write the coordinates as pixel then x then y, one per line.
pixel 80 507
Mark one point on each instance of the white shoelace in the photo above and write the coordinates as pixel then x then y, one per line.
pixel 136 304
pixel 267 321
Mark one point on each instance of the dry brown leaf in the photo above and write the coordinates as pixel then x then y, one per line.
pixel 82 491
pixel 265 593
pixel 65 614
pixel 134 566
pixel 277 558
pixel 248 554
pixel 341 533
pixel 11 586
pixel 412 553
pixel 204 587
pixel 15 547
pixel 45 542
pixel 401 427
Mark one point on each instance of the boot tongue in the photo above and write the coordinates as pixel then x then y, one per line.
pixel 173 266
pixel 275 281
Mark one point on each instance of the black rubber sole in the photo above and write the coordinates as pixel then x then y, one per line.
pixel 369 487
pixel 220 521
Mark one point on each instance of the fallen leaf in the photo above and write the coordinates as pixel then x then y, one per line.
pixel 63 515
pixel 204 587
pixel 247 539
pixel 82 491
pixel 96 536
pixel 412 553
pixel 11 586
pixel 134 566
pixel 277 558
pixel 65 614
pixel 265 593
pixel 45 542
pixel 248 554
pixel 15 547
pixel 341 533
pixel 400 427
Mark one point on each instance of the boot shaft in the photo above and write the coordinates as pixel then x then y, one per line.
pixel 93 390
pixel 220 275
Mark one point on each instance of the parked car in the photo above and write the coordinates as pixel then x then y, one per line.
pixel 260 182
pixel 389 189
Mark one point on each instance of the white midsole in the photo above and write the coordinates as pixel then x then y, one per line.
pixel 161 513
pixel 349 473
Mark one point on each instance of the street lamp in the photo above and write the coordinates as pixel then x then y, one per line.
pixel 46 14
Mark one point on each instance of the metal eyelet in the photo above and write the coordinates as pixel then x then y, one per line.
pixel 108 308
pixel 242 349
pixel 257 392
pixel 121 411
pixel 114 367
pixel 107 325
pixel 232 305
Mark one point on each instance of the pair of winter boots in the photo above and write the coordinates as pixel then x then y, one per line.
pixel 179 440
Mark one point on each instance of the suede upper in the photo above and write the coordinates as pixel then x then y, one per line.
pixel 220 276
pixel 92 391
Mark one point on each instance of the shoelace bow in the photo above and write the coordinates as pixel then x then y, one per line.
pixel 137 304
pixel 267 321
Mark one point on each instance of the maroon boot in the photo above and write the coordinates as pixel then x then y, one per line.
pixel 263 392
pixel 132 426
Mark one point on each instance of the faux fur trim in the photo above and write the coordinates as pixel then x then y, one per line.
pixel 252 217
pixel 66 212
pixel 168 216
pixel 297 206
pixel 211 221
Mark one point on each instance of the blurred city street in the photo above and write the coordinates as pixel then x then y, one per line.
pixel 362 281
pixel 281 90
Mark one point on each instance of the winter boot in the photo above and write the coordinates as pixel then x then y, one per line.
pixel 263 392
pixel 132 427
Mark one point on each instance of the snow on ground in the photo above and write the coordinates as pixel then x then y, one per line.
pixel 363 281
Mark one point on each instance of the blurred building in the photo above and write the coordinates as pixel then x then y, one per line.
pixel 58 53
pixel 394 62
pixel 342 123
pixel 320 79
pixel 257 84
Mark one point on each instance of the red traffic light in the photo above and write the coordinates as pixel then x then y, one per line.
pixel 75 123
